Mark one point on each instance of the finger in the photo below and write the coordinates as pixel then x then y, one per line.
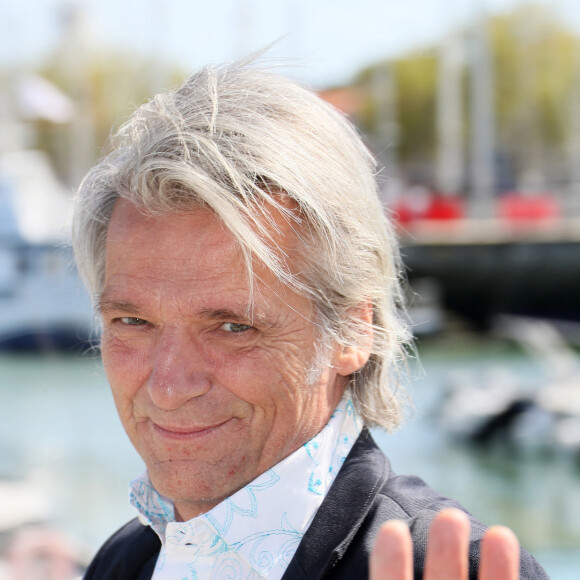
pixel 392 555
pixel 447 546
pixel 500 555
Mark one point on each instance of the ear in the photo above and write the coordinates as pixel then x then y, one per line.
pixel 350 359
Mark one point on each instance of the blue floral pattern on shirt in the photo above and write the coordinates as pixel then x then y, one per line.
pixel 254 533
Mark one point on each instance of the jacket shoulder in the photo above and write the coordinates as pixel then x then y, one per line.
pixel 410 499
pixel 365 495
pixel 129 554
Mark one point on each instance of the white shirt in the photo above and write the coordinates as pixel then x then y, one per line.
pixel 254 533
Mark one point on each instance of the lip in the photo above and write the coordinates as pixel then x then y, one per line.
pixel 179 432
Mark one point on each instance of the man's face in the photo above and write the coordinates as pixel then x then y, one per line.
pixel 211 395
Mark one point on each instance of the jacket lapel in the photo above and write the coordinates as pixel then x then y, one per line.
pixel 342 512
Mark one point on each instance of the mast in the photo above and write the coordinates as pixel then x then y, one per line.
pixel 383 90
pixel 574 134
pixel 159 29
pixel 450 158
pixel 530 178
pixel 482 178
pixel 73 57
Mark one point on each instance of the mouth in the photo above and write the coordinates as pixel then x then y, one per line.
pixel 187 433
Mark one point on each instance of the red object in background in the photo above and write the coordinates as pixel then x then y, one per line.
pixel 349 100
pixel 445 207
pixel 422 204
pixel 516 206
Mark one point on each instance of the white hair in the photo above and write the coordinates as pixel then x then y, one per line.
pixel 241 140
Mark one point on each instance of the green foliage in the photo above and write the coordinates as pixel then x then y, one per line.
pixel 416 82
pixel 414 86
pixel 535 61
pixel 106 88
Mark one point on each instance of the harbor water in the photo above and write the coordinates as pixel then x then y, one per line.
pixel 68 461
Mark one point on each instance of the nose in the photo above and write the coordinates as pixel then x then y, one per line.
pixel 180 370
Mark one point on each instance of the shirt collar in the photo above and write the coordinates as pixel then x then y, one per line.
pixel 260 526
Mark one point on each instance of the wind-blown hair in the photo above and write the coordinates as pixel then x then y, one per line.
pixel 241 140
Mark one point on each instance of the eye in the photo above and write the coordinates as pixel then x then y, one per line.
pixel 235 327
pixel 132 321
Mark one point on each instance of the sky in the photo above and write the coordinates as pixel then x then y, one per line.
pixel 325 42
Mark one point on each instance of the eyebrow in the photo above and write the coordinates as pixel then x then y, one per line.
pixel 226 314
pixel 105 305
pixel 221 314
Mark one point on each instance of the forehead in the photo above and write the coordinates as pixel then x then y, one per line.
pixel 171 256
pixel 130 223
pixel 191 252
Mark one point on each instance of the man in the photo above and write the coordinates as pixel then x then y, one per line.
pixel 248 285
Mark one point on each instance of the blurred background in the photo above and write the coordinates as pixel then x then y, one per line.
pixel 473 110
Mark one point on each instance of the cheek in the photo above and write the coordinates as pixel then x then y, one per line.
pixel 126 371
pixel 276 385
pixel 249 379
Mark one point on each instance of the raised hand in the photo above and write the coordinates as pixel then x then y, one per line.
pixel 392 556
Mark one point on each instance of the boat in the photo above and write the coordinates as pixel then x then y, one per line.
pixel 488 267
pixel 496 405
pixel 42 302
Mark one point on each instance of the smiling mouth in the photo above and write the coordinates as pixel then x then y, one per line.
pixel 174 432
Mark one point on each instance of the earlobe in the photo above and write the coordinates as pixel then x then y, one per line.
pixel 353 358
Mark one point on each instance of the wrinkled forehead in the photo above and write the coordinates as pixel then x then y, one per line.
pixel 168 245
pixel 269 212
pixel 192 263
pixel 131 223
pixel 149 242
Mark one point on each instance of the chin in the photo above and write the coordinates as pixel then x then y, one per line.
pixel 188 482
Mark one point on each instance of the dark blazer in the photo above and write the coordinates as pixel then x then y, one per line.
pixel 365 494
